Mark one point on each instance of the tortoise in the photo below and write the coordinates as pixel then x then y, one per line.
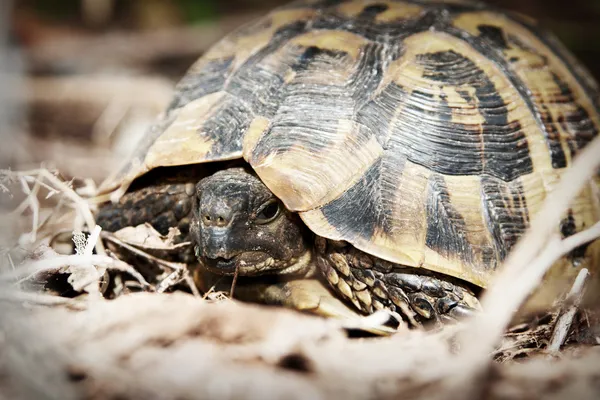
pixel 395 149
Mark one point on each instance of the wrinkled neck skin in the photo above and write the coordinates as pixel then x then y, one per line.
pixel 238 225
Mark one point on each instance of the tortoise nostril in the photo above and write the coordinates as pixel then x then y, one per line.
pixel 216 218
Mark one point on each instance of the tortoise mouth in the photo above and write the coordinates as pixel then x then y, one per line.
pixel 254 263
pixel 247 263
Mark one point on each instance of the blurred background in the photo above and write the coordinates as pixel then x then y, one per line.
pixel 97 72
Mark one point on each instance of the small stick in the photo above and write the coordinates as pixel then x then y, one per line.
pixel 171 280
pixel 235 276
pixel 173 266
pixel 375 321
pixel 29 269
pixel 176 267
pixel 124 267
pixel 37 175
pixel 175 278
pixel 59 205
pixel 25 204
pixel 33 204
pixel 92 239
pixel 36 298
pixel 564 322
pixel 10 260
pixel 213 288
pixel 190 282
pixel 92 286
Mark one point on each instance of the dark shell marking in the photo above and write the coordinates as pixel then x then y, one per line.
pixel 426 133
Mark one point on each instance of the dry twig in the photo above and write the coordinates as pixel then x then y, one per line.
pixel 164 264
pixel 55 185
pixel 31 268
pixel 33 298
pixel 564 322
pixel 179 272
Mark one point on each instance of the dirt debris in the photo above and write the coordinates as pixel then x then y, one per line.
pixel 173 346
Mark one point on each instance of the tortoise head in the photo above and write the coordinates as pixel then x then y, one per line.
pixel 239 224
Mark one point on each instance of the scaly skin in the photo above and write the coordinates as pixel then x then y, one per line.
pixel 371 284
pixel 164 206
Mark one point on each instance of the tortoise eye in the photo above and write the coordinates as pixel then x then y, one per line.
pixel 268 212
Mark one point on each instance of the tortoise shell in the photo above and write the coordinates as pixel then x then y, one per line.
pixel 426 133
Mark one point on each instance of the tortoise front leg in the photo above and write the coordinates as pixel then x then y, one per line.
pixel 163 205
pixel 308 295
pixel 371 283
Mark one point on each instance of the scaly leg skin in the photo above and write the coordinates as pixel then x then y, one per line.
pixel 163 205
pixel 371 284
